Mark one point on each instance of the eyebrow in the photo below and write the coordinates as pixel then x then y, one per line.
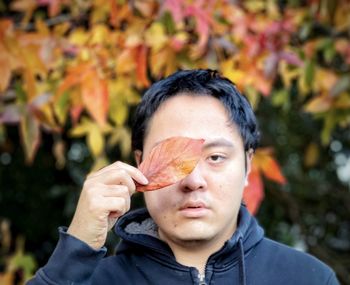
pixel 218 142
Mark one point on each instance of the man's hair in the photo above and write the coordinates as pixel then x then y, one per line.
pixel 202 83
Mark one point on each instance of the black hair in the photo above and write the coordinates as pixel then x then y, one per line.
pixel 197 82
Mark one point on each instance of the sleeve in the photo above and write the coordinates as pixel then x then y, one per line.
pixel 333 280
pixel 72 262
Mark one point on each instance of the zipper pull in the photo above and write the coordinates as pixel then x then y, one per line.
pixel 201 278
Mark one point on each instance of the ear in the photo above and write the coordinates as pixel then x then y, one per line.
pixel 138 156
pixel 249 157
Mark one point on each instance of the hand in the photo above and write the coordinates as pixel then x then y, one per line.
pixel 104 198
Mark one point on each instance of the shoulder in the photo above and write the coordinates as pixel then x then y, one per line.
pixel 290 264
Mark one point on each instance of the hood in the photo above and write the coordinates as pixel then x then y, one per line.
pixel 137 229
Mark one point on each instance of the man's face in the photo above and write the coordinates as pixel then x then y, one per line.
pixel 204 205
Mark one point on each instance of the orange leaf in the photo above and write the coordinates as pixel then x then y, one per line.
pixel 319 104
pixel 272 170
pixel 170 161
pixel 95 96
pixel 265 162
pixel 254 192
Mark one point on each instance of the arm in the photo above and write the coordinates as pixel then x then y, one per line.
pixel 333 280
pixel 104 198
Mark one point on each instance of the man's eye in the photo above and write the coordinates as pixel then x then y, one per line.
pixel 216 158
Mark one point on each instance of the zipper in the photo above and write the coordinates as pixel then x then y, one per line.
pixel 201 278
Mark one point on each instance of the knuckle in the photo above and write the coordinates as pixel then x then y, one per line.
pixel 118 163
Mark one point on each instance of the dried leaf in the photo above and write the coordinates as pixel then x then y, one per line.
pixel 170 161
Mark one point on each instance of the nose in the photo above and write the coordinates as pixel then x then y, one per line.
pixel 194 181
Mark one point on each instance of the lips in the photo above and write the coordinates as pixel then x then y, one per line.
pixel 194 209
pixel 193 205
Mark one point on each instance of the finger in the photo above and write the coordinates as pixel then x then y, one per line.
pixel 135 173
pixel 113 178
pixel 115 191
pixel 116 205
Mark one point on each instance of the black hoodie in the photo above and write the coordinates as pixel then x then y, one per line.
pixel 142 258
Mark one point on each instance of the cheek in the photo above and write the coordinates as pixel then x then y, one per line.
pixel 158 202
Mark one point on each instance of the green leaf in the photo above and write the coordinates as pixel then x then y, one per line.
pixel 61 108
pixel 118 112
pixel 280 98
pixel 167 20
pixel 122 137
pixel 309 72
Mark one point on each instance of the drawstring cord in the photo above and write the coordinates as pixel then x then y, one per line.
pixel 242 277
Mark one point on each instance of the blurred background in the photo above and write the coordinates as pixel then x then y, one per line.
pixel 72 72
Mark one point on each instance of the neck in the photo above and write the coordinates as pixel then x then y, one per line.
pixel 195 253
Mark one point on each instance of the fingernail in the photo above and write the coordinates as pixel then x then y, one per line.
pixel 144 180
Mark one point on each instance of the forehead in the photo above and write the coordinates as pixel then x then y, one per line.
pixel 196 116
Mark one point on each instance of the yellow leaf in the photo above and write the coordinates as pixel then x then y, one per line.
pixel 95 140
pixel 30 135
pixel 61 107
pixel 126 61
pixel 99 34
pixel 79 37
pixel 7 278
pixel 25 6
pixel 122 137
pixel 155 36
pixel 287 73
pixel 319 104
pixel 255 6
pixel 229 70
pixel 311 155
pixel 59 150
pixel 118 112
pixel 342 101
pixel 60 30
pixel 163 62
pixel 253 96
pixel 99 163
pixel 133 40
pixel 329 124
pixel 341 17
pixel 81 129
pixel 41 27
pixel 324 80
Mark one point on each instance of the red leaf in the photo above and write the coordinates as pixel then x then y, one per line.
pixel 170 161
pixel 253 193
pixel 141 68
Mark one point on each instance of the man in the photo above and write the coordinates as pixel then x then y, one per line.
pixel 195 231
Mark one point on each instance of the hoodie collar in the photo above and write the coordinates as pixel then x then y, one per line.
pixel 138 228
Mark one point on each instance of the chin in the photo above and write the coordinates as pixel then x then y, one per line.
pixel 194 232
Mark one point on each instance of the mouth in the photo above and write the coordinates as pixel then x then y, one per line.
pixel 194 209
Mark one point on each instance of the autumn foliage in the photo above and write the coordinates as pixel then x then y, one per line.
pixel 77 68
